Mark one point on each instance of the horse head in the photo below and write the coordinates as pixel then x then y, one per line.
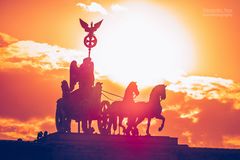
pixel 134 88
pixel 131 92
pixel 162 91
pixel 158 92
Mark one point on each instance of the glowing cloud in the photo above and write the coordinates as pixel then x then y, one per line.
pixel 98 8
pixel 37 55
pixel 191 115
pixel 118 8
pixel 188 135
pixel 93 7
pixel 27 130
pixel 200 87
pixel 231 141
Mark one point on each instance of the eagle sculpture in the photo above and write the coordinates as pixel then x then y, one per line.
pixel 92 27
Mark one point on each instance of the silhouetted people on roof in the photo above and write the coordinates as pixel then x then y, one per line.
pixel 45 133
pixel 39 135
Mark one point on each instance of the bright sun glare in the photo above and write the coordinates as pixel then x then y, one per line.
pixel 144 43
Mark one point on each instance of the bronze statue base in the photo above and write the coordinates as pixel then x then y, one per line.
pixel 75 146
pixel 97 147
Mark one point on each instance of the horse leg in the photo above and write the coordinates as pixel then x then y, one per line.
pixel 148 126
pixel 90 128
pixel 78 127
pixel 131 124
pixel 121 125
pixel 119 130
pixel 109 125
pixel 89 124
pixel 138 121
pixel 114 124
pixel 84 126
pixel 163 121
pixel 68 129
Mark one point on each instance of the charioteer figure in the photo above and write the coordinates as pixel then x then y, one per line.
pixel 83 75
pixel 86 75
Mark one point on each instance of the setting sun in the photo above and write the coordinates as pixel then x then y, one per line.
pixel 147 47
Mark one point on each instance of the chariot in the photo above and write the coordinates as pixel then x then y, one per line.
pixel 82 106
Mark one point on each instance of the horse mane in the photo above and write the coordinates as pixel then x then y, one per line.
pixel 154 92
pixel 130 85
pixel 127 94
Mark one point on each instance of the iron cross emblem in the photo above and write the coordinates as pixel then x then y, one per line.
pixel 90 40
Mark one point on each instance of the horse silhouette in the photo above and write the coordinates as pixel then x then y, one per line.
pixel 150 109
pixel 122 108
pixel 139 111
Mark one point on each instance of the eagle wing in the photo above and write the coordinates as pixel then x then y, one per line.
pixel 84 25
pixel 97 25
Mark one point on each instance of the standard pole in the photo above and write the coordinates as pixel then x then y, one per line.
pixel 89 52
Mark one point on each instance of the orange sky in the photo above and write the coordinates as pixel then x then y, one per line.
pixel 38 40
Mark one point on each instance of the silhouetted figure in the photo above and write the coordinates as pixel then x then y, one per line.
pixel 82 97
pixel 83 75
pixel 39 135
pixel 19 140
pixel 45 133
pixel 65 89
pixel 86 74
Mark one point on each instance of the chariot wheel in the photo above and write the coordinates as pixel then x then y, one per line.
pixel 62 122
pixel 103 118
